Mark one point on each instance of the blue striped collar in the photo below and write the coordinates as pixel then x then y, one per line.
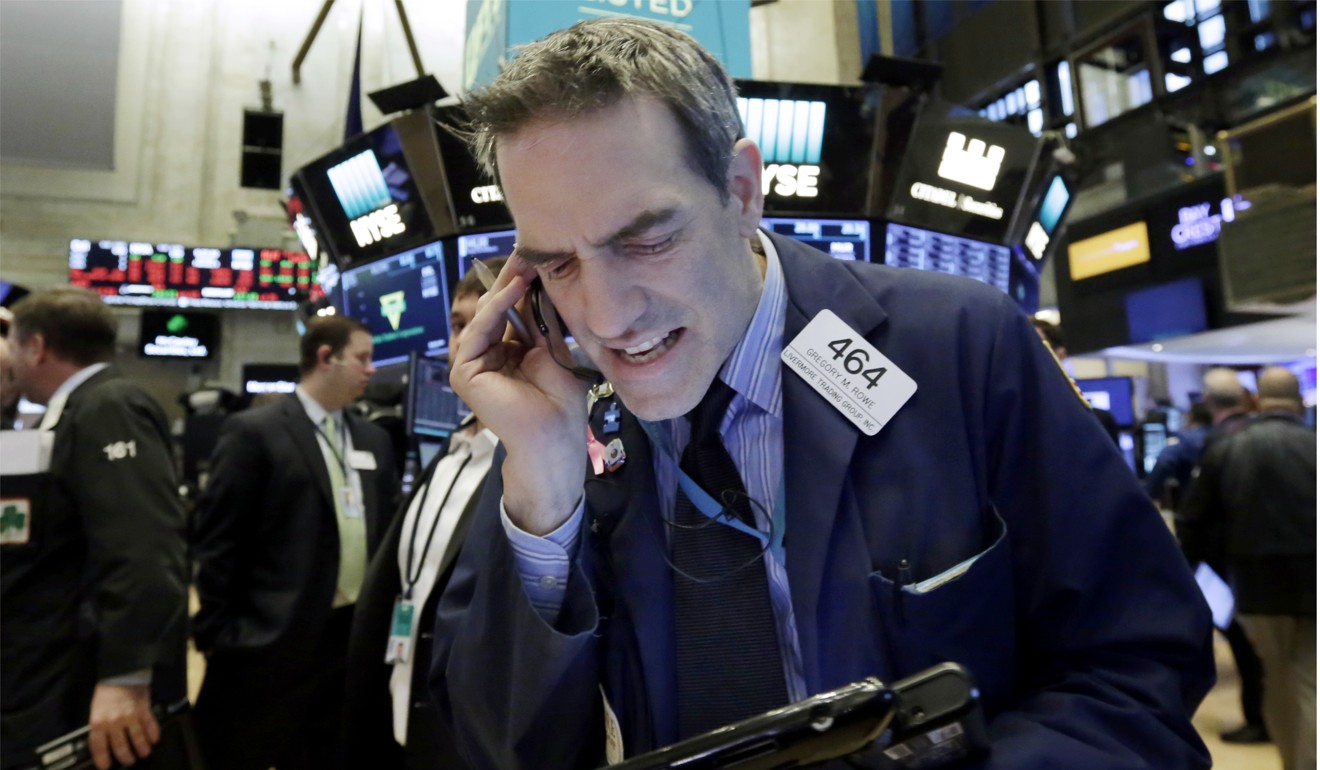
pixel 753 370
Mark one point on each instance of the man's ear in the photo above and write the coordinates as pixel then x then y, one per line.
pixel 744 180
pixel 323 354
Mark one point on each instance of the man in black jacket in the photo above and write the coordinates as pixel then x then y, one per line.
pixel 300 496
pixel 1253 509
pixel 94 575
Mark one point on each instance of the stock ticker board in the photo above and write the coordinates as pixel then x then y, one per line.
pixel 173 275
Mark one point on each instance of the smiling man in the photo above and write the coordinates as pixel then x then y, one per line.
pixel 814 471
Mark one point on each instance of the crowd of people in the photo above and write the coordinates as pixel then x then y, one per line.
pixel 690 532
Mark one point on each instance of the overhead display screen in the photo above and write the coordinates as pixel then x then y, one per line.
pixel 173 275
pixel 1112 394
pixel 1053 204
pixel 178 334
pixel 815 142
pixel 404 301
pixel 1173 309
pixel 929 250
pixel 478 202
pixel 1104 253
pixel 848 239
pixel 962 174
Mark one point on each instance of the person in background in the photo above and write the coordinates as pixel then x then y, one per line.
pixel 9 393
pixel 1252 508
pixel 300 496
pixel 93 553
pixel 390 718
pixel 1230 407
pixel 1052 334
pixel 1174 465
pixel 986 519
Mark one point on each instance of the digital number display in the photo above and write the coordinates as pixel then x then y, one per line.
pixel 173 275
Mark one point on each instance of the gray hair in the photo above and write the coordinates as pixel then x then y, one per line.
pixel 595 64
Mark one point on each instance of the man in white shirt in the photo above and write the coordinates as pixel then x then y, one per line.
pixel 388 707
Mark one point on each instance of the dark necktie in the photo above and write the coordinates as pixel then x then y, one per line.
pixel 729 664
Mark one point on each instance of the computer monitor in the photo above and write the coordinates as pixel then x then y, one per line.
pixel 929 250
pixel 1154 437
pixel 1173 309
pixel 483 246
pixel 269 378
pixel 434 411
pixel 848 239
pixel 404 301
pixel 1112 394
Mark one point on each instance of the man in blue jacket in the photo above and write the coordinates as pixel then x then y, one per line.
pixel 880 469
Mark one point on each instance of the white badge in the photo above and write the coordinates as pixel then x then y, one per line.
pixel 849 372
pixel 15 521
pixel 613 735
pixel 361 460
pixel 352 508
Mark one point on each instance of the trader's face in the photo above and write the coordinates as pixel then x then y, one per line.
pixel 26 356
pixel 9 393
pixel 653 274
pixel 460 315
pixel 352 369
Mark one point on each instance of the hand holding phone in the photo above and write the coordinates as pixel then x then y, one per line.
pixel 537 408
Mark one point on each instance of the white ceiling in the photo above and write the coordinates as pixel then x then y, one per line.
pixel 1278 340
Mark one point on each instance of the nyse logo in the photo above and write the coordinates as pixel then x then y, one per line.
pixel 378 225
pixel 975 165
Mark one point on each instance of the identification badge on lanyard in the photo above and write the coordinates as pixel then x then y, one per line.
pixel 352 506
pixel 400 645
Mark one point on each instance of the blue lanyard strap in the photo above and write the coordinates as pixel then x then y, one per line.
pixel 711 508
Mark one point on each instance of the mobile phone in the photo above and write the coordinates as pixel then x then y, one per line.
pixel 563 349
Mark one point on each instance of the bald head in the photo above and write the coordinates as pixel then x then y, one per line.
pixel 1223 394
pixel 1279 389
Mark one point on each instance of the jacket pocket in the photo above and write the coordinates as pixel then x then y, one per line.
pixel 965 614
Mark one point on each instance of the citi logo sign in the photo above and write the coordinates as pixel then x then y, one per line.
pixel 974 164
pixel 786 131
pixel 360 185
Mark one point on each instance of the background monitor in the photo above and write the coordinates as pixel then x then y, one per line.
pixel 1154 437
pixel 1173 309
pixel 404 301
pixel 1113 250
pixel 178 334
pixel 816 145
pixel 1112 394
pixel 434 410
pixel 848 239
pixel 1041 230
pixel 269 378
pixel 174 275
pixel 483 246
pixel 928 250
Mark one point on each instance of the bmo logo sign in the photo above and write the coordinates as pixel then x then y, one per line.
pixel 790 134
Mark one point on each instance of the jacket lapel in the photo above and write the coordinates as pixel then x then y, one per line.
pixel 303 434
pixel 818 440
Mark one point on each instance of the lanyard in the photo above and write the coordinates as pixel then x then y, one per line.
pixel 711 508
pixel 411 578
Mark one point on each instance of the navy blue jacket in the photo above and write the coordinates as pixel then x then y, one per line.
pixel 1080 619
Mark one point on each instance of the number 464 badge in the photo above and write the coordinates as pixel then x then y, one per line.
pixel 849 372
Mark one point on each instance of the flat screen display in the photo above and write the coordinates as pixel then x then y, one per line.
pixel 178 334
pixel 366 197
pixel 173 275
pixel 478 201
pixel 1173 309
pixel 962 174
pixel 1053 205
pixel 434 409
pixel 404 301
pixel 848 239
pixel 1124 247
pixel 483 246
pixel 815 143
pixel 1112 394
pixel 269 378
pixel 1154 437
pixel 928 250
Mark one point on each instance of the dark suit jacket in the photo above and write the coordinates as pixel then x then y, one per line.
pixel 1083 626
pixel 267 541
pixel 368 726
pixel 100 588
